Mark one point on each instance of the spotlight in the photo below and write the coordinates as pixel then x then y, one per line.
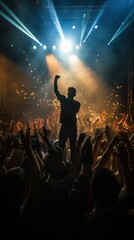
pixel 77 47
pixel 72 59
pixel 34 47
pixel 96 26
pixel 54 47
pixel 66 46
pixel 73 27
pixel 44 47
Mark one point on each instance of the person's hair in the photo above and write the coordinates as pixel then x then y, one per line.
pixel 71 92
pixel 105 187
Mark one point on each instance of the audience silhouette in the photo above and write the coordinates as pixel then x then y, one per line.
pixel 43 194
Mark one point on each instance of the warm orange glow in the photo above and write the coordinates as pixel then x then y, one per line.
pixel 18 90
pixel 91 90
pixel 55 67
pixel 11 76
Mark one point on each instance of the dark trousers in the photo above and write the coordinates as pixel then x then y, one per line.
pixel 68 132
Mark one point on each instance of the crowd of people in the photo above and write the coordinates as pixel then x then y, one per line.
pixel 49 188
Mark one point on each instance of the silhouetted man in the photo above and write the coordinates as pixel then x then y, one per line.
pixel 68 120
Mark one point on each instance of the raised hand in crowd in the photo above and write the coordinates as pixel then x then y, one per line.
pixel 123 166
pixel 7 152
pixel 125 138
pixel 77 154
pixel 44 135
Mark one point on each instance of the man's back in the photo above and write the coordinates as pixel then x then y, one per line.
pixel 69 108
pixel 68 120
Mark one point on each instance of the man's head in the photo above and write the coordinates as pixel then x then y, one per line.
pixel 71 92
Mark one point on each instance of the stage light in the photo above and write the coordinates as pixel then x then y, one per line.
pixel 72 59
pixel 83 27
pixel 77 47
pixel 55 18
pixel 16 21
pixel 54 47
pixel 34 47
pixel 94 25
pixel 125 24
pixel 44 47
pixel 73 27
pixel 66 46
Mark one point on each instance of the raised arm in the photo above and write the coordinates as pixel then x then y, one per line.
pixel 34 168
pixel 123 166
pixel 56 86
pixel 76 159
pixel 106 155
pixel 7 152
pixel 45 138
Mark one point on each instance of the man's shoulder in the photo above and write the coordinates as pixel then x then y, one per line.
pixel 61 97
pixel 77 105
pixel 77 102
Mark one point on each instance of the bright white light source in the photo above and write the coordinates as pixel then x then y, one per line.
pixel 73 27
pixel 96 26
pixel 72 59
pixel 66 46
pixel 44 47
pixel 77 47
pixel 53 47
pixel 34 47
